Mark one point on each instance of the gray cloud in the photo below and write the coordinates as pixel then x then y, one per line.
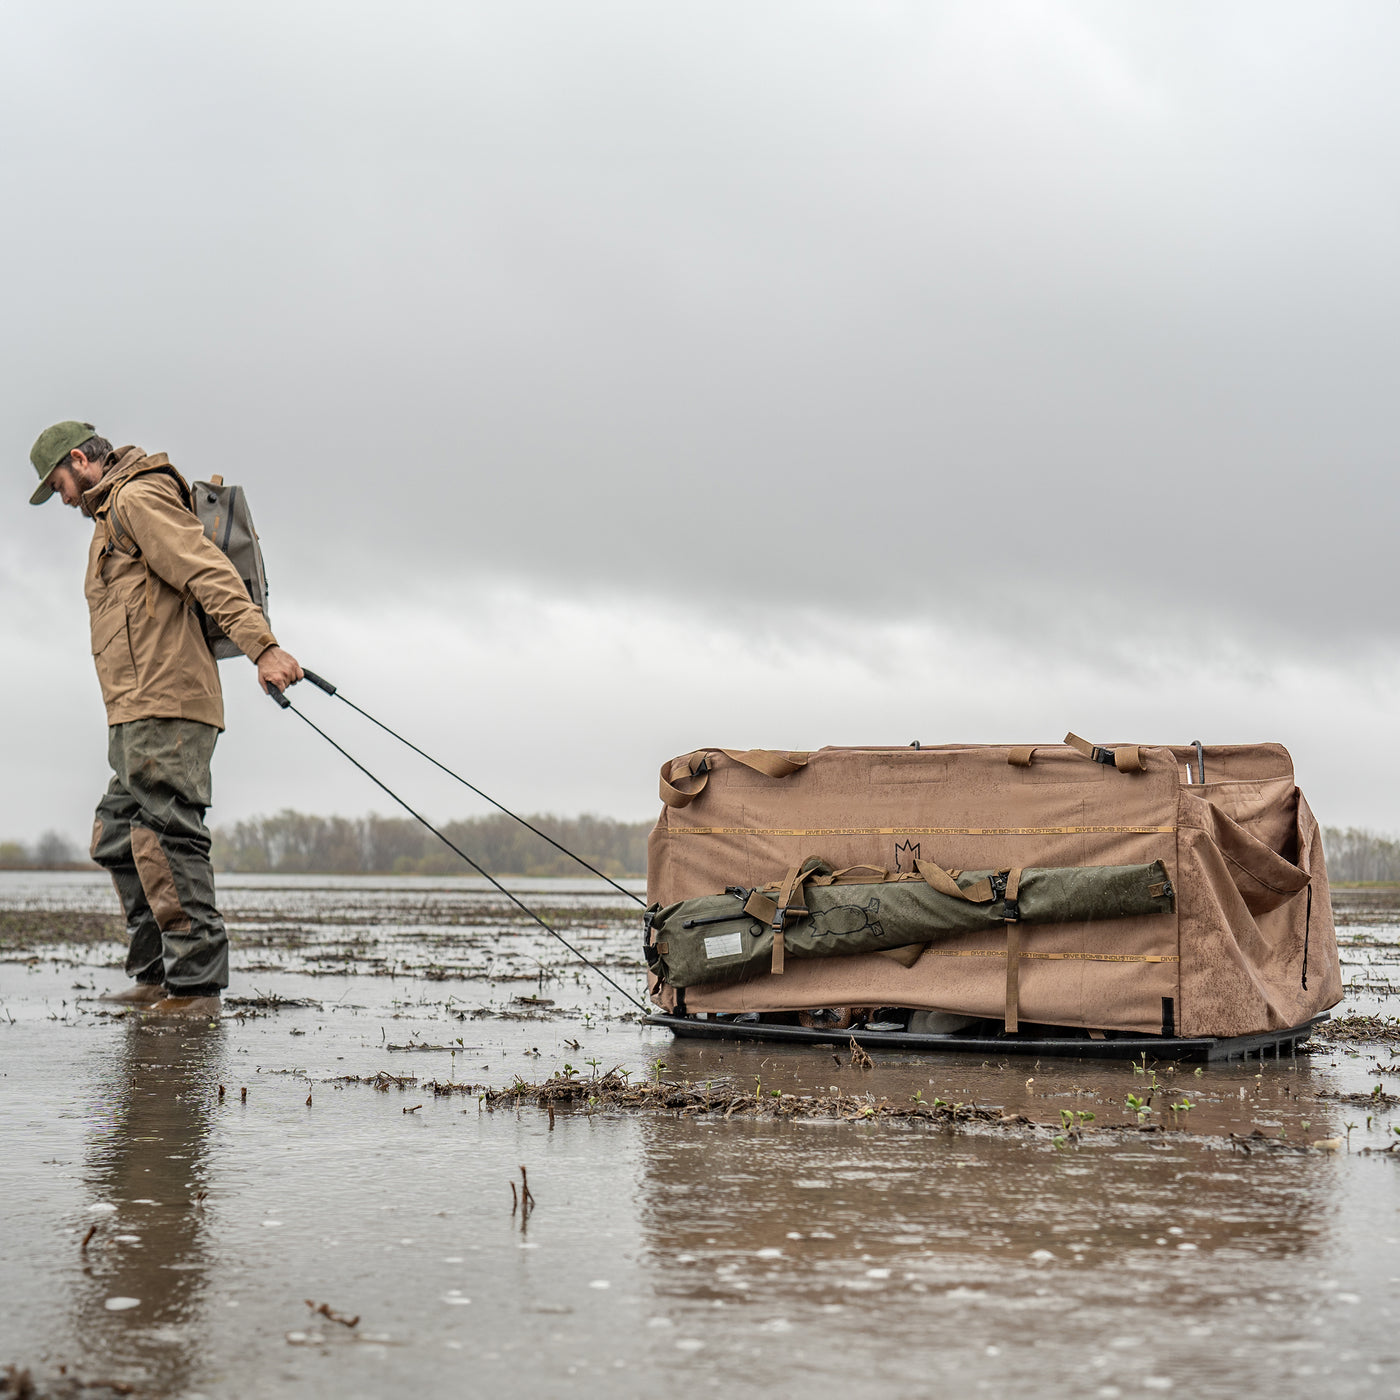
pixel 1065 331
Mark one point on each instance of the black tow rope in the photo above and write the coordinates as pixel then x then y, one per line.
pixel 325 685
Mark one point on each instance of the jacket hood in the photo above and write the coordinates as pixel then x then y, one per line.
pixel 115 469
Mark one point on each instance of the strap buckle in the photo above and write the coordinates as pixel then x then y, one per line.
pixel 1102 755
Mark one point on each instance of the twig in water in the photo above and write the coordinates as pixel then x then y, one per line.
pixel 859 1059
pixel 326 1311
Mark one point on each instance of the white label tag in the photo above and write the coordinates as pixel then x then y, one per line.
pixel 725 945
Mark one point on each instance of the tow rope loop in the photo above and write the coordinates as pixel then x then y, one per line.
pixel 486 874
pixel 323 684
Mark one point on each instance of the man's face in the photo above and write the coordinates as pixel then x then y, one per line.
pixel 73 477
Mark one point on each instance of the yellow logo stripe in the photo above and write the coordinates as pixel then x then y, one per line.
pixel 921 831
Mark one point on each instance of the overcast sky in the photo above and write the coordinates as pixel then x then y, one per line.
pixel 610 379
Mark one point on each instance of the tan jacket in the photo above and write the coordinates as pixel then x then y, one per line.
pixel 142 581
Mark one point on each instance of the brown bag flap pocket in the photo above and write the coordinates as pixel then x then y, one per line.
pixel 1264 878
pixel 106 626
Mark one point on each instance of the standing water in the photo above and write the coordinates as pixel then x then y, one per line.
pixel 323 1193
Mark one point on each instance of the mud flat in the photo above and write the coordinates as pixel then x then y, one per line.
pixel 711 1217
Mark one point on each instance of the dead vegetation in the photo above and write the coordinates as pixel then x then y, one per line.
pixel 25 931
pixel 1371 1030
pixel 270 1001
pixel 726 1098
pixel 18 1383
pixel 383 1081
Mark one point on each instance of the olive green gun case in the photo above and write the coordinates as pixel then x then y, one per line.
pixel 1062 884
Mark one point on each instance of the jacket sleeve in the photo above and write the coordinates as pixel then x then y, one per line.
pixel 173 543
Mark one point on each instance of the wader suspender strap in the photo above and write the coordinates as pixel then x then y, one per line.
pixel 697 765
pixel 1013 951
pixel 1127 759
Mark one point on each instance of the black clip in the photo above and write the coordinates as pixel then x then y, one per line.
pixel 1011 911
pixel 702 767
pixel 739 892
pixel 1105 756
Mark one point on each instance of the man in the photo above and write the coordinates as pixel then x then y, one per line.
pixel 149 565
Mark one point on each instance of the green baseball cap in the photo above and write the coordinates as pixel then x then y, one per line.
pixel 51 449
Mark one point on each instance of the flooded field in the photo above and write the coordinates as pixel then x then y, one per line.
pixel 322 1195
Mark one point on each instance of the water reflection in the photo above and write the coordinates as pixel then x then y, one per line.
pixel 139 1301
pixel 856 1240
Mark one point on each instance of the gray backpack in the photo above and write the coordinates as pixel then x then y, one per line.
pixel 223 511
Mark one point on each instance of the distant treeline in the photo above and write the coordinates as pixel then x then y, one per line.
pixel 293 843
pixel 50 852
pixel 1360 856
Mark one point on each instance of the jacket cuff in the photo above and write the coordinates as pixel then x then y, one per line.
pixel 253 637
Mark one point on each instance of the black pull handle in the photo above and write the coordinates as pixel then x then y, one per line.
pixel 319 681
pixel 279 697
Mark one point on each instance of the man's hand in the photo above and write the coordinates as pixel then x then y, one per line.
pixel 279 668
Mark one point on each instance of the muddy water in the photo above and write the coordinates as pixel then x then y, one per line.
pixel 881 1259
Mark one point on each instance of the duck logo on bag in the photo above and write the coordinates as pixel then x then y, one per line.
pixel 842 920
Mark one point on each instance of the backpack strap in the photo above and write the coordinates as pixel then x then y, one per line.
pixel 119 540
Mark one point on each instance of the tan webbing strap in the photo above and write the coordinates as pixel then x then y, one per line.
pixel 792 885
pixel 678 770
pixel 697 764
pixel 1126 759
pixel 1013 952
pixel 847 876
pixel 1020 757
pixel 768 762
pixel 939 879
pixel 790 901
